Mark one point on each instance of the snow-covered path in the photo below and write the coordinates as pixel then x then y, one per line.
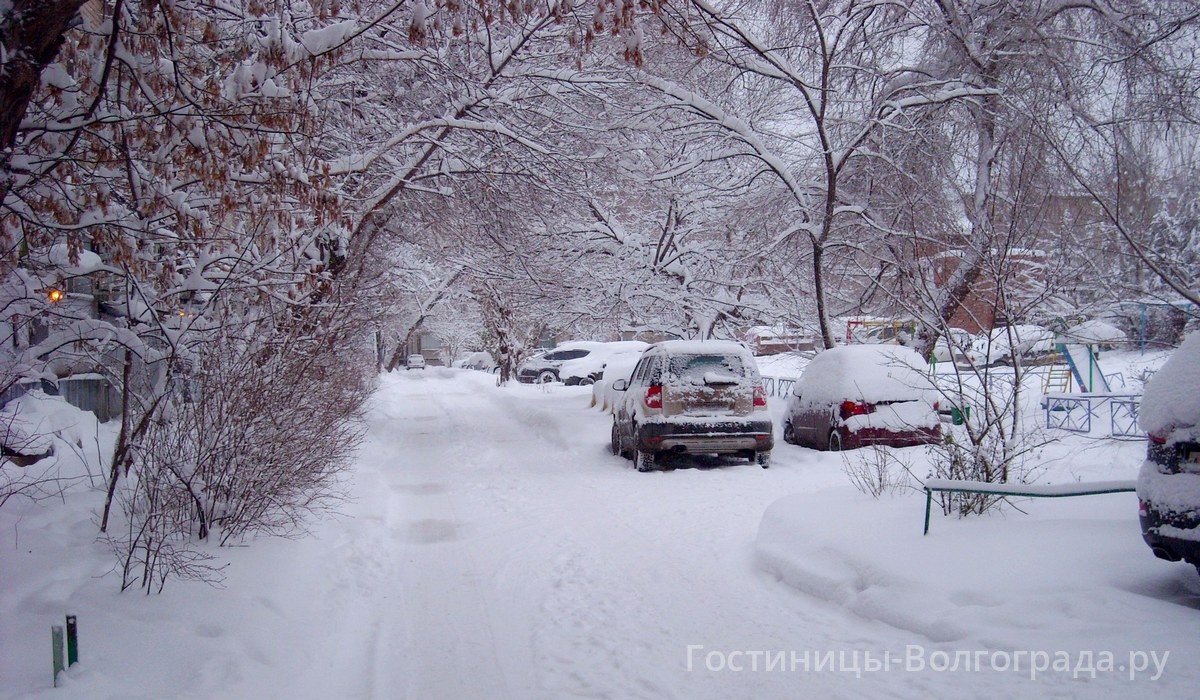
pixel 491 547
pixel 509 555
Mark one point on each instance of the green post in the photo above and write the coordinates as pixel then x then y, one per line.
pixel 72 641
pixel 928 506
pixel 56 642
pixel 1091 370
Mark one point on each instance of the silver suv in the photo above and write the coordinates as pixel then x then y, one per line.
pixel 694 397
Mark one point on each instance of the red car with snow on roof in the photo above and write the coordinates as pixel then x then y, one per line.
pixel 858 395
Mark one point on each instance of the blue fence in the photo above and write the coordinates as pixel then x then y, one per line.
pixel 1114 415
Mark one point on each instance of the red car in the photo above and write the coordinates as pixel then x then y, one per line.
pixel 858 395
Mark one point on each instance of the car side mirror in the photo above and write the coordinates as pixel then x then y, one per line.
pixel 620 385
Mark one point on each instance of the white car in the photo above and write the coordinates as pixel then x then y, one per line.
pixel 415 361
pixel 1028 341
pixel 575 362
pixel 957 347
pixel 591 368
pixel 481 360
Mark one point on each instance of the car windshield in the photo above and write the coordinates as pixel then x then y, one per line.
pixel 701 369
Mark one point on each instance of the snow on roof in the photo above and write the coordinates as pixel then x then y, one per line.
pixel 1095 332
pixel 603 347
pixel 702 346
pixel 1172 396
pixel 773 332
pixel 1030 339
pixel 865 372
pixel 59 256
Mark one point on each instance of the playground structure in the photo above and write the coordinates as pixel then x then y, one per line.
pixel 1082 366
pixel 860 330
pixel 1081 411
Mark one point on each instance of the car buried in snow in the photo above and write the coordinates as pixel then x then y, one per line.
pixel 1168 485
pixel 480 360
pixel 854 396
pixel 692 397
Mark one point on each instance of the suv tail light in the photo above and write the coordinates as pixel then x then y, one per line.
pixel 654 396
pixel 1165 456
pixel 760 396
pixel 856 408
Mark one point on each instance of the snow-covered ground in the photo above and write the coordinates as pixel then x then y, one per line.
pixel 493 548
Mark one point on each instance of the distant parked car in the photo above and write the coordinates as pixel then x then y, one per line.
pixel 481 360
pixel 956 347
pixel 415 362
pixel 692 397
pixel 543 367
pixel 858 395
pixel 590 368
pixel 574 362
pixel 1168 485
pixel 1003 343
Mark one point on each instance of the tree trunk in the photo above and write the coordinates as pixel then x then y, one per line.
pixel 827 338
pixel 400 354
pixel 31 35
pixel 122 437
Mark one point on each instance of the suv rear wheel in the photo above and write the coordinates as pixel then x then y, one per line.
pixel 645 461
pixel 835 441
pixel 763 459
pixel 546 377
pixel 618 447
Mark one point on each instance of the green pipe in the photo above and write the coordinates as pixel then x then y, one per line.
pixel 1014 494
pixel 56 642
pixel 72 641
pixel 928 505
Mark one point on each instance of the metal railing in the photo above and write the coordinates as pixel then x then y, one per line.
pixel 1075 413
pixel 1021 490
pixel 778 387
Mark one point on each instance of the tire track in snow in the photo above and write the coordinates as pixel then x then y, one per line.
pixel 441 640
pixel 529 564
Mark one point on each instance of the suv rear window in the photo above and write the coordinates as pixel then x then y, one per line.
pixel 695 369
